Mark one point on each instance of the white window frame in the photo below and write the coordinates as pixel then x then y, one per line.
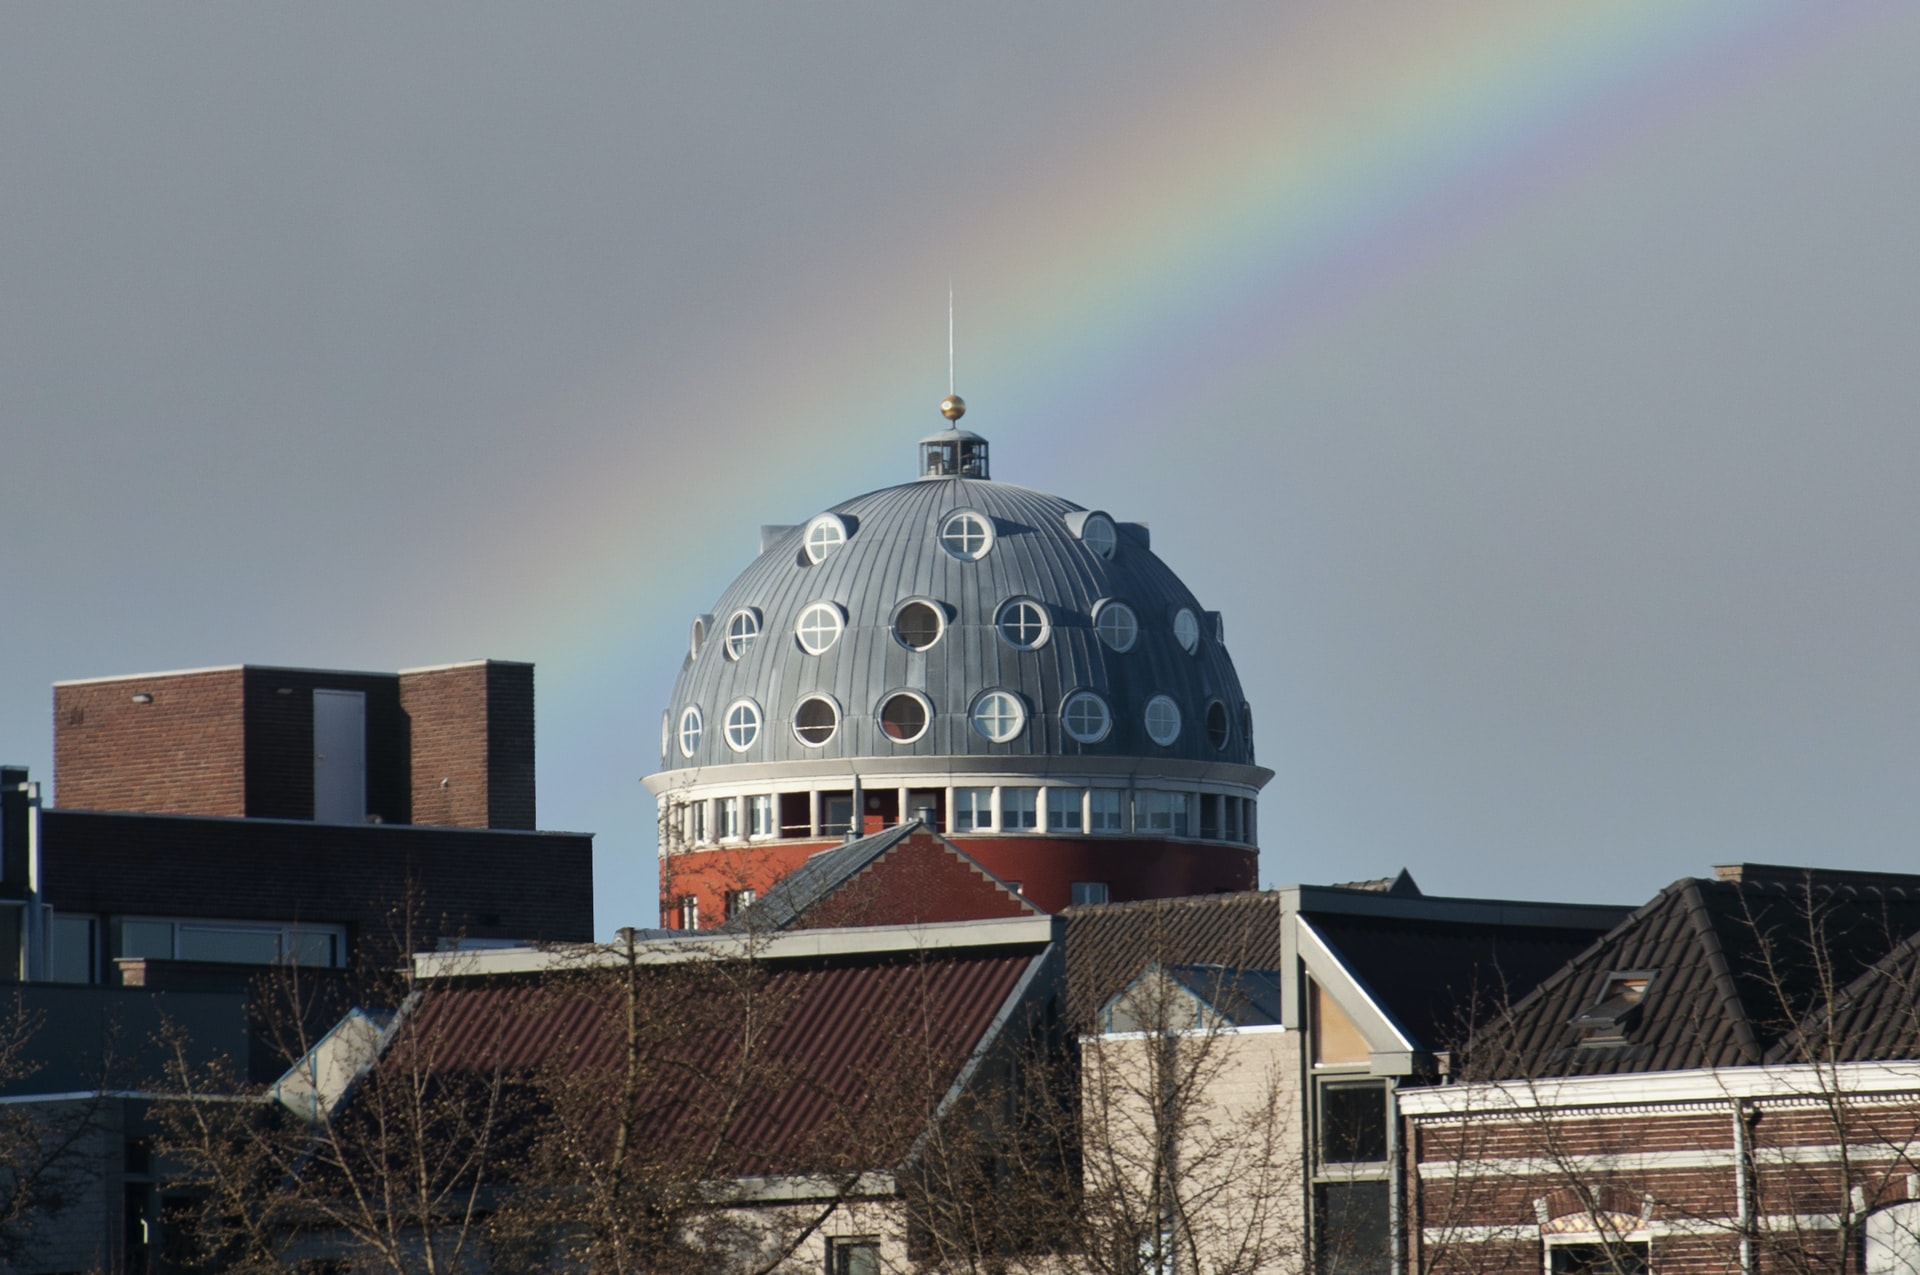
pixel 1099 534
pixel 926 723
pixel 1083 697
pixel 693 725
pixel 1098 805
pixel 1064 802
pixel 939 623
pixel 833 706
pixel 959 531
pixel 1109 609
pixel 726 823
pixel 826 535
pixel 1186 630
pixel 1006 707
pixel 743 629
pixel 1013 607
pixel 970 800
pixel 763 815
pixel 1163 710
pixel 801 627
pixel 1019 809
pixel 734 724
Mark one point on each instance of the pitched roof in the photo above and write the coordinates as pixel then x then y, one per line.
pixel 905 875
pixel 1734 968
pixel 1110 944
pixel 834 1048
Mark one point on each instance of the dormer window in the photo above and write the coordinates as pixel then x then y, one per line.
pixel 1616 1012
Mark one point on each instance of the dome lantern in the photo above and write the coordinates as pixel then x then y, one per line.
pixel 953 452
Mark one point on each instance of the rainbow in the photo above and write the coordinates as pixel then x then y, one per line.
pixel 1190 246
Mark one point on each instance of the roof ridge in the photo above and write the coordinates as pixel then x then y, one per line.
pixel 1715 952
pixel 1567 971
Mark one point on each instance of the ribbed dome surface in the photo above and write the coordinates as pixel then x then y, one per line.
pixel 892 554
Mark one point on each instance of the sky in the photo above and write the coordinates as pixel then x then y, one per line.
pixel 1530 383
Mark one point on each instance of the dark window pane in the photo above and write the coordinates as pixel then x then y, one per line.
pixel 1623 1257
pixel 1353 1123
pixel 1350 1231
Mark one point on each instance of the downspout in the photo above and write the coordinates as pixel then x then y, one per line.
pixel 1742 1185
pixel 1396 1192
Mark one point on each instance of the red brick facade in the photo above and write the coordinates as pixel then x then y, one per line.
pixel 448 746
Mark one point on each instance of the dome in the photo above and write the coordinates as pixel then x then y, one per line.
pixel 956 617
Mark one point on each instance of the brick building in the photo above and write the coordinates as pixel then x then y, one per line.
pixel 1726 1082
pixel 249 815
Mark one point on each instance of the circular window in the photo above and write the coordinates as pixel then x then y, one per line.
pixel 1217 725
pixel 1186 630
pixel 917 625
pixel 697 636
pixel 1163 720
pixel 999 716
pixel 815 720
pixel 818 628
pixel 825 535
pixel 690 725
pixel 743 724
pixel 1097 533
pixel 1085 717
pixel 904 716
pixel 966 535
pixel 743 626
pixel 1246 723
pixel 666 735
pixel 1023 623
pixel 1116 625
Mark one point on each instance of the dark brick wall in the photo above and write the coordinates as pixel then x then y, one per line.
pixel 485 884
pixel 184 753
pixel 447 709
pixel 279 742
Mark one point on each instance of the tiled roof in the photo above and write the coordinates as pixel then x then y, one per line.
pixel 1110 945
pixel 837 1040
pixel 1737 962
pixel 903 876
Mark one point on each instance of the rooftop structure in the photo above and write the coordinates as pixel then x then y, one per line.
pixel 1019 670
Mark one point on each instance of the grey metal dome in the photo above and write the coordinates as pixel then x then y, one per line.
pixel 888 549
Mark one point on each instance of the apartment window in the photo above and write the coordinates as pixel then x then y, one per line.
pixel 973 810
pixel 73 944
pixel 1351 1229
pixel 728 822
pixel 696 822
pixel 853 1256
pixel 1600 1257
pixel 762 815
pixel 1106 810
pixel 738 901
pixel 1089 892
pixel 1063 809
pixel 836 813
pixel 1353 1122
pixel 1019 808
pixel 230 942
pixel 1161 812
pixel 688 911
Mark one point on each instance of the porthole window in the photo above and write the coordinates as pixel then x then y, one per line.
pixel 666 735
pixel 819 627
pixel 918 624
pixel 966 535
pixel 1023 623
pixel 1085 717
pixel 999 716
pixel 1163 720
pixel 1246 723
pixel 1116 625
pixel 743 626
pixel 743 724
pixel 904 716
pixel 815 720
pixel 690 725
pixel 697 636
pixel 1217 725
pixel 825 535
pixel 1186 630
pixel 1098 534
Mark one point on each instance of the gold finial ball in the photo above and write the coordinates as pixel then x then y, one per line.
pixel 953 407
